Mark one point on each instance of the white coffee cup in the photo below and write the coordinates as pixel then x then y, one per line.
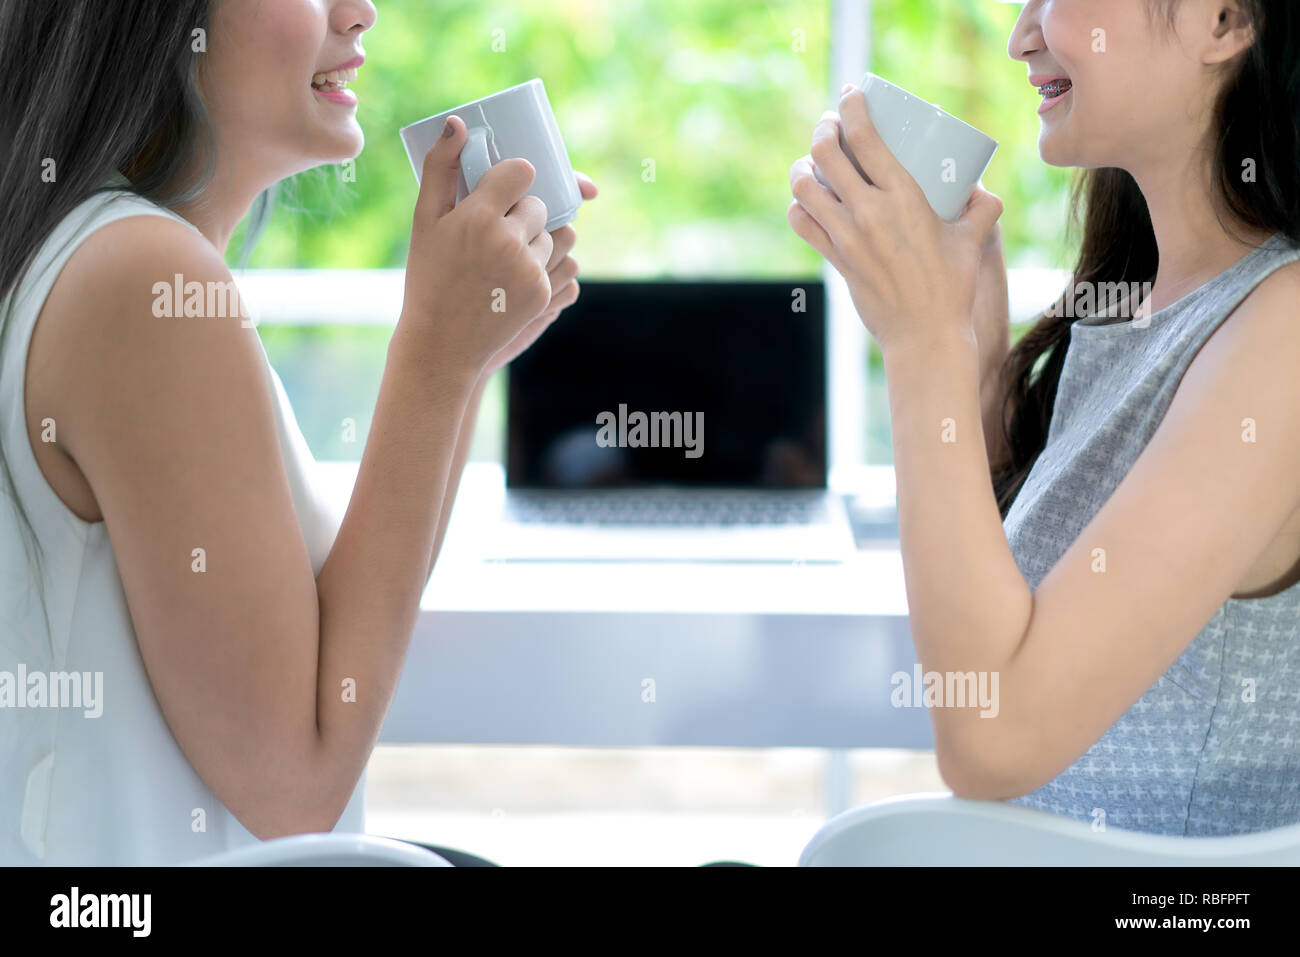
pixel 945 156
pixel 516 122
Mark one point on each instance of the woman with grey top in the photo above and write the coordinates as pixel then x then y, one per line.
pixel 1107 516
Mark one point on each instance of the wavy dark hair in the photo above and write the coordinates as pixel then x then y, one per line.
pixel 93 88
pixel 1257 117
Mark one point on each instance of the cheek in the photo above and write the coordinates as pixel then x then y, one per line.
pixel 293 34
pixel 1068 33
pixel 263 54
pixel 1108 48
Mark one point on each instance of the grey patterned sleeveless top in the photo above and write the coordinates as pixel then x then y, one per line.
pixel 1194 755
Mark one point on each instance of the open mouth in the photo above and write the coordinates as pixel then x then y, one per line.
pixel 1054 88
pixel 333 81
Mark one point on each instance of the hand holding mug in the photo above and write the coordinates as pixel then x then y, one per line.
pixel 477 273
pixel 514 128
pixel 911 273
pixel 563 270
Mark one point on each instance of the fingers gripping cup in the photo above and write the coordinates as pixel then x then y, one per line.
pixel 945 156
pixel 478 155
pixel 515 122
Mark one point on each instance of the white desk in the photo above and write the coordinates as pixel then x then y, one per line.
pixel 740 656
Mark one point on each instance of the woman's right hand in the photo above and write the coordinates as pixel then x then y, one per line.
pixel 477 272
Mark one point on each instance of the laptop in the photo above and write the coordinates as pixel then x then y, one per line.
pixel 674 421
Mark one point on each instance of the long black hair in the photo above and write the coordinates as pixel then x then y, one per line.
pixel 93 88
pixel 1257 117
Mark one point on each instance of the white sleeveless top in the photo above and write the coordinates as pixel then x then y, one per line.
pixel 112 789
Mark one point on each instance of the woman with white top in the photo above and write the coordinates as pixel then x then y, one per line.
pixel 194 655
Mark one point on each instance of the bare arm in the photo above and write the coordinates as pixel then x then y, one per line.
pixel 275 683
pixel 992 322
pixel 464 439
pixel 1194 514
pixel 563 271
pixel 369 589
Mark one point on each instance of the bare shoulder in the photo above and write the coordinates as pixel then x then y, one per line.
pixel 141 300
pixel 1276 297
pixel 120 269
pixel 1290 273
pixel 1262 335
pixel 1242 382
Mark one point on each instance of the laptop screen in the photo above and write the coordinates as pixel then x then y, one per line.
pixel 692 384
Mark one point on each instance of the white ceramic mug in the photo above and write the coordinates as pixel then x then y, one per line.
pixel 516 122
pixel 945 156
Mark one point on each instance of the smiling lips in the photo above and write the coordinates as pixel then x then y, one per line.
pixel 1055 88
pixel 332 84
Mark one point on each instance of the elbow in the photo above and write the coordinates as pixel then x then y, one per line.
pixel 293 802
pixel 974 783
pixel 283 819
pixel 987 768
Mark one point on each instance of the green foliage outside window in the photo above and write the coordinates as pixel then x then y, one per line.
pixel 687 114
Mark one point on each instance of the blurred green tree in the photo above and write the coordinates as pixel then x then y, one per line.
pixel 720 95
pixel 687 114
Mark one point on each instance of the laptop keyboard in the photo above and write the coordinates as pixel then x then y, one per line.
pixel 673 507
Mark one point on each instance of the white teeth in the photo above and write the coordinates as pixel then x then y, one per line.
pixel 334 77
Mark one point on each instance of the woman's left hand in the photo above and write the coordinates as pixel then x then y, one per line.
pixel 910 273
pixel 563 270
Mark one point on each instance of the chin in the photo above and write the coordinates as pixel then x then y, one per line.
pixel 1055 152
pixel 1050 155
pixel 342 146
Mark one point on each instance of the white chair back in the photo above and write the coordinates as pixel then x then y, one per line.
pixel 940 829
pixel 326 850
